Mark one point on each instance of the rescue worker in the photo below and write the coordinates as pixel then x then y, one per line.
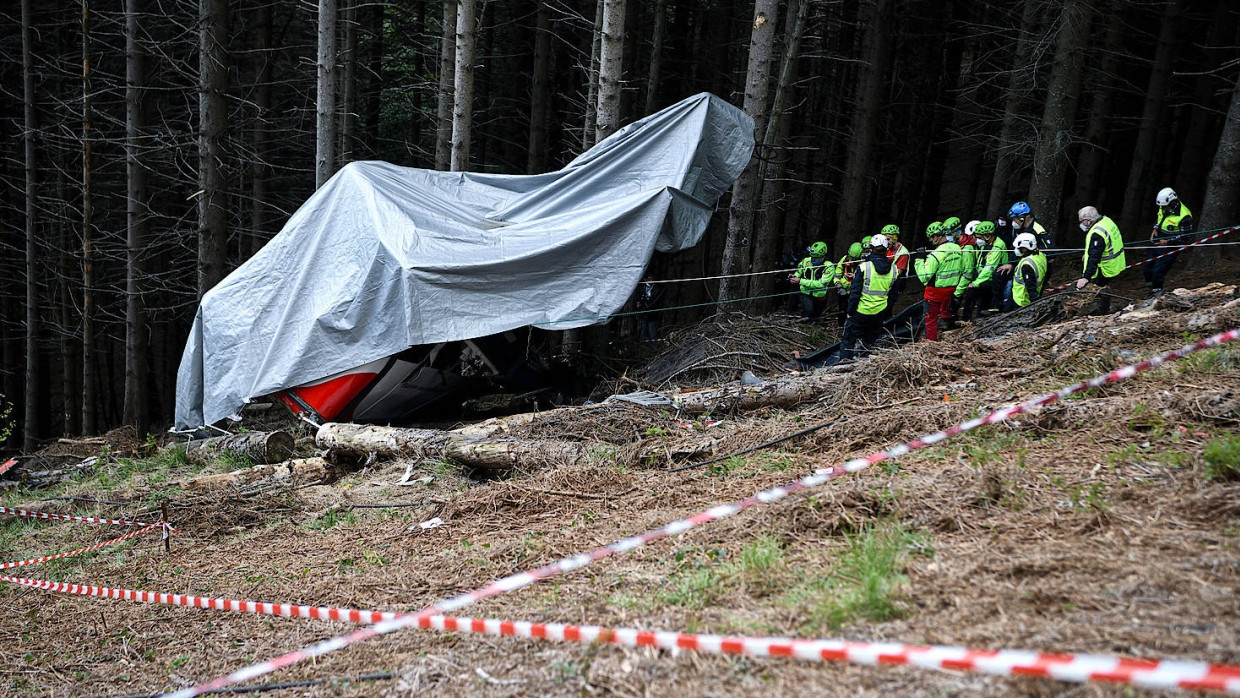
pixel 867 299
pixel 897 254
pixel 1030 275
pixel 1104 255
pixel 968 270
pixel 1023 221
pixel 1174 219
pixel 953 228
pixel 649 302
pixel 844 270
pixel 939 270
pixel 813 277
pixel 987 289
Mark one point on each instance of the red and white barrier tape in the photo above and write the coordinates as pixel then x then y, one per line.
pixel 267 609
pixel 4 467
pixel 79 551
pixel 1078 668
pixel 87 519
pixel 580 560
pixel 1147 260
pixel 1145 673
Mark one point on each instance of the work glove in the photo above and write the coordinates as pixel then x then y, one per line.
pixel 920 252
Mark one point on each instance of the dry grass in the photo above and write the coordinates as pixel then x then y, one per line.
pixel 1088 526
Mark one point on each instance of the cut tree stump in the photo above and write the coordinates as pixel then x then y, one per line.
pixel 261 447
pixel 478 452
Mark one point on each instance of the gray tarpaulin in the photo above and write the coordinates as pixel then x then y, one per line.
pixel 382 257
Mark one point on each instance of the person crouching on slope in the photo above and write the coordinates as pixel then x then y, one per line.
pixel 867 299
pixel 814 274
pixel 1030 274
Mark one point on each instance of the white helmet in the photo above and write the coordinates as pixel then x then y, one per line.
pixel 880 240
pixel 970 227
pixel 1025 241
pixel 1165 196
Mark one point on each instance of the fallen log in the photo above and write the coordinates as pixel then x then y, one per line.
pixel 478 452
pixel 787 391
pixel 258 447
pixel 300 471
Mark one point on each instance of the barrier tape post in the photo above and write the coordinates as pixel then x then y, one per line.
pixel 574 562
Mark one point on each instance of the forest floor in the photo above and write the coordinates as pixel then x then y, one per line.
pixel 1107 524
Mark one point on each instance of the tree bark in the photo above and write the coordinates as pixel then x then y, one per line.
pixel 463 84
pixel 611 68
pixel 1139 194
pixel 447 78
pixel 30 422
pixel 655 72
pixel 495 454
pixel 301 471
pixel 135 411
pixel 592 70
pixel 348 85
pixel 212 120
pixel 770 213
pixel 860 164
pixel 748 187
pixel 86 393
pixel 540 92
pixel 1021 82
pixel 1191 178
pixel 258 447
pixel 325 106
pixel 1051 159
pixel 1221 206
pixel 1093 150
pixel 259 167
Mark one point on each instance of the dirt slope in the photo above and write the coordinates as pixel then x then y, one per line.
pixel 1091 526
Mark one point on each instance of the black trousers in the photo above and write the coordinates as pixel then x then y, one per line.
pixel 860 333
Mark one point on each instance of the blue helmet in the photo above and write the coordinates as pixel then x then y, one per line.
pixel 1020 208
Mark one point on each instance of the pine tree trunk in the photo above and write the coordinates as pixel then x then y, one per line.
pixel 325 122
pixel 374 73
pixel 748 187
pixel 348 85
pixel 770 214
pixel 655 73
pixel 212 120
pixel 1191 178
pixel 540 92
pixel 1051 159
pixel 447 79
pixel 30 423
pixel 86 418
pixel 136 342
pixel 861 150
pixel 1221 206
pixel 259 168
pixel 1021 82
pixel 463 84
pixel 611 68
pixel 591 115
pixel 1093 150
pixel 1139 204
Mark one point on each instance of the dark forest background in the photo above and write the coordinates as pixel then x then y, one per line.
pixel 148 147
